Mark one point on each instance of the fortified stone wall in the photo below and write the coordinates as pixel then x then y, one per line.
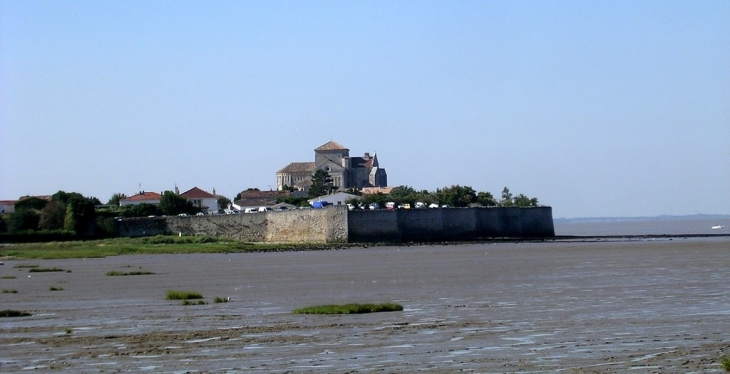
pixel 296 226
pixel 450 224
pixel 336 225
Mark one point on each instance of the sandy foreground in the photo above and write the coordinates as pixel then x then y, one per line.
pixel 578 307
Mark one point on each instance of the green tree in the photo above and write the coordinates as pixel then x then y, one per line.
pixel 457 196
pixel 64 197
pixel 139 210
pixel 524 201
pixel 402 194
pixel 223 203
pixel 83 210
pixel 172 204
pixel 321 184
pixel 506 198
pixel 30 203
pixel 116 198
pixel 52 216
pixel 24 219
pixel 486 199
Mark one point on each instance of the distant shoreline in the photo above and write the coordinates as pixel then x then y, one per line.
pixel 691 217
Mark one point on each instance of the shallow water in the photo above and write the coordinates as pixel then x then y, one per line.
pixel 639 306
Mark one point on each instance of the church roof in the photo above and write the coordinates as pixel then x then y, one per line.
pixel 298 167
pixel 331 146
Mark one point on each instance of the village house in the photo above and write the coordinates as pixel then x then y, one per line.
pixel 140 198
pixel 207 202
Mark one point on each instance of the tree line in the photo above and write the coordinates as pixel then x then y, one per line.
pixel 72 215
pixel 455 196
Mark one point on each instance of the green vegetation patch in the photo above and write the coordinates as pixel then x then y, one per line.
pixel 115 273
pixel 188 302
pixel 183 295
pixel 8 277
pixel 14 313
pixel 25 266
pixel 350 309
pixel 44 270
pixel 725 362
pixel 218 300
pixel 10 291
pixel 52 288
pixel 160 244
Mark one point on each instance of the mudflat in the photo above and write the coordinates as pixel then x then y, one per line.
pixel 574 306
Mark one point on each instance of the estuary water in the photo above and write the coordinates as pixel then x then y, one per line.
pixel 647 226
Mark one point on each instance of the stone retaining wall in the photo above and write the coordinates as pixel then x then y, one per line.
pixel 338 225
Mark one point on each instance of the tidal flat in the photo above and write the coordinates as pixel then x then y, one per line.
pixel 572 306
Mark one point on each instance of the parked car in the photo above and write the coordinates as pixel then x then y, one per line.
pixel 433 205
pixel 374 206
pixel 350 207
pixel 200 214
pixel 390 205
pixel 420 205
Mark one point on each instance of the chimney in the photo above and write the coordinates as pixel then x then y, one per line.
pixel 367 156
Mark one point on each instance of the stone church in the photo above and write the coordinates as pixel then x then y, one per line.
pixel 346 171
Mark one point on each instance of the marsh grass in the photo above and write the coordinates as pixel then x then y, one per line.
pixel 188 302
pixel 25 266
pixel 115 273
pixel 52 288
pixel 68 331
pixel 46 270
pixel 350 309
pixel 725 362
pixel 218 300
pixel 147 245
pixel 10 291
pixel 14 313
pixel 8 277
pixel 183 295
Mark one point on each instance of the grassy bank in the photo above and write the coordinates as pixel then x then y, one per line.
pixel 146 245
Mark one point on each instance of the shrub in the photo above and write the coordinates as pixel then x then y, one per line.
pixel 188 302
pixel 31 236
pixel 350 309
pixel 115 273
pixel 13 313
pixel 183 295
pixel 725 362
pixel 45 270
pixel 220 300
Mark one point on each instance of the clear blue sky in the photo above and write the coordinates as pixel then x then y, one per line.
pixel 598 108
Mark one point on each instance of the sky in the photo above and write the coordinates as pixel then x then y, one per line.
pixel 597 108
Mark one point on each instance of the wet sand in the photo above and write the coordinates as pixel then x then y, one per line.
pixel 638 306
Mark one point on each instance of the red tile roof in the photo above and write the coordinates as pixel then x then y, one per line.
pixel 144 196
pixel 197 193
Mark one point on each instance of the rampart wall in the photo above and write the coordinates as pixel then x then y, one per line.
pixel 338 225
pixel 424 225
